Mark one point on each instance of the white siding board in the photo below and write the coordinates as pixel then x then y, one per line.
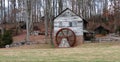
pixel 65 18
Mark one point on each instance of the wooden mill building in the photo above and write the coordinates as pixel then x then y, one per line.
pixel 68 29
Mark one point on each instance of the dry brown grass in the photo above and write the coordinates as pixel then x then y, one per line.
pixel 90 52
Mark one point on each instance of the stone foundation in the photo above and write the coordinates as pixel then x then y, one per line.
pixel 79 41
pixel 54 41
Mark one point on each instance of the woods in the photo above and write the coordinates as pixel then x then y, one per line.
pixel 59 30
pixel 96 12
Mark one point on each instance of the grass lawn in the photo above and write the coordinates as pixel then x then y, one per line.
pixel 90 52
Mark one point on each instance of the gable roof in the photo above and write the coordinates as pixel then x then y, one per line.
pixel 102 26
pixel 72 12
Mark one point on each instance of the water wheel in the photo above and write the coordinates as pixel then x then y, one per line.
pixel 68 34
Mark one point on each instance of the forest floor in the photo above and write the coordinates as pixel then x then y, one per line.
pixel 22 37
pixel 88 52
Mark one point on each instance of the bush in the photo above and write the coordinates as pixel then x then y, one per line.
pixel 0 37
pixel 5 39
pixel 118 30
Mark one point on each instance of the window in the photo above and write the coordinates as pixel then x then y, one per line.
pixel 63 24
pixel 73 24
pixel 70 24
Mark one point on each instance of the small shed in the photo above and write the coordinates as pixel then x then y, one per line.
pixel 89 35
pixel 101 30
pixel 68 29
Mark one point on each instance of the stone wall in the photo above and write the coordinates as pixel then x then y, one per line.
pixel 79 41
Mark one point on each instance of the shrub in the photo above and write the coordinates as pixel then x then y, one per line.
pixel 6 39
pixel 0 37
pixel 118 30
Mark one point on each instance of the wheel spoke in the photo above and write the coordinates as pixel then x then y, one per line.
pixel 67 32
pixel 63 33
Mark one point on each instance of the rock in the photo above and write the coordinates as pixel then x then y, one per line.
pixel 64 43
pixel 7 46
pixel 28 43
pixel 22 43
pixel 36 33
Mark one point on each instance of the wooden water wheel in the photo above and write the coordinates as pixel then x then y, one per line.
pixel 68 34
